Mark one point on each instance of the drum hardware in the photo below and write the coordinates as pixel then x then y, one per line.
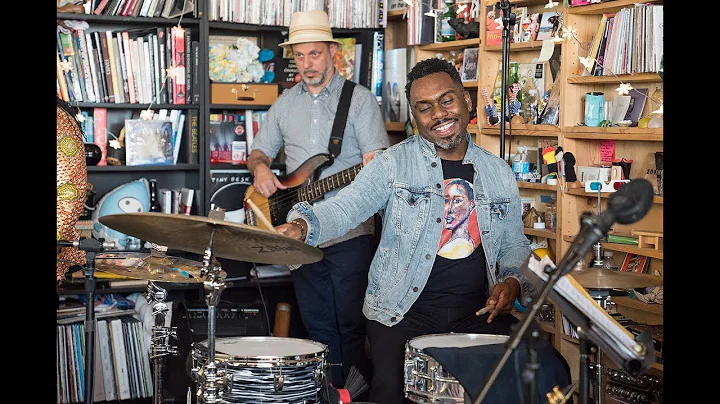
pixel 627 205
pixel 159 347
pixel 91 247
pixel 213 237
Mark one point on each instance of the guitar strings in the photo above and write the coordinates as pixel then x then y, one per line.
pixel 287 200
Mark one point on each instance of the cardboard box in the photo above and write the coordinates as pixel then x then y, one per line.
pixel 243 94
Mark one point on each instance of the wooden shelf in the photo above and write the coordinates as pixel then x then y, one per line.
pixel 169 167
pixel 519 47
pixel 614 133
pixel 542 130
pixel 470 84
pixel 570 339
pixel 549 234
pixel 451 45
pixel 396 14
pixel 581 192
pixel 638 305
pixel 621 78
pixel 609 7
pixel 473 128
pixel 627 248
pixel 395 126
pixel 536 185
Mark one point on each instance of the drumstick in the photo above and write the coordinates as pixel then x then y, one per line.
pixel 260 215
pixel 485 309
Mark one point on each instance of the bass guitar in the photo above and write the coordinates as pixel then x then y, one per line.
pixel 303 185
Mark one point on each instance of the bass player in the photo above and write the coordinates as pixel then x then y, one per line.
pixel 330 293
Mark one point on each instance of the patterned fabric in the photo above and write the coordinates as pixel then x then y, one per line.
pixel 71 188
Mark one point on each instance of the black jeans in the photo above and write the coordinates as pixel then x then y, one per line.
pixel 387 344
pixel 330 296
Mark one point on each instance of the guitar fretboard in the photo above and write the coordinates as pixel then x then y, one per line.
pixel 319 188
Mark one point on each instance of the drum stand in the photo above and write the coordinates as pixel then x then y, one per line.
pixel 211 380
pixel 91 247
pixel 159 347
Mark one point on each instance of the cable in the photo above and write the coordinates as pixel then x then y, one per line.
pixel 262 298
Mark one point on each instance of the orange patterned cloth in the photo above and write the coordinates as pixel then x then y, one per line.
pixel 71 188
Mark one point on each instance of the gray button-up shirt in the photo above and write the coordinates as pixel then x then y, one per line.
pixel 302 123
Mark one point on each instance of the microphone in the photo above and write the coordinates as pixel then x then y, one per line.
pixel 628 204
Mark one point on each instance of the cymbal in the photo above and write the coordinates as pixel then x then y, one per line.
pixel 229 240
pixel 145 266
pixel 603 278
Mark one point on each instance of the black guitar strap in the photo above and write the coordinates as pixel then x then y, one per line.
pixel 338 128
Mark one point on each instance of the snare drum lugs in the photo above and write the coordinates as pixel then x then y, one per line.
pixel 268 369
pixel 425 380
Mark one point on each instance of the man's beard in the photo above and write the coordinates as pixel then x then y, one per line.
pixel 315 82
pixel 451 143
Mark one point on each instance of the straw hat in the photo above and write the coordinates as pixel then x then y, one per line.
pixel 309 26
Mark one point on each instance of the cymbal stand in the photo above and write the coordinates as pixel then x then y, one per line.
pixel 212 380
pixel 159 347
pixel 91 247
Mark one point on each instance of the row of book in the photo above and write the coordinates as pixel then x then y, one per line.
pixel 143 8
pixel 231 134
pixel 627 42
pixel 130 66
pixel 121 361
pixel 341 13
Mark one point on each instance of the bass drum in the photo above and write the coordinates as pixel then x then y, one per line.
pixel 426 381
pixel 267 369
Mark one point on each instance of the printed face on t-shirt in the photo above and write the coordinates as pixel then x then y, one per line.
pixel 460 235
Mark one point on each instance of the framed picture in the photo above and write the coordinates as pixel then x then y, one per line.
pixel 527 204
pixel 635 263
pixel 470 65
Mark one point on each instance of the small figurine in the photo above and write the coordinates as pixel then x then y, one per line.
pixel 467 30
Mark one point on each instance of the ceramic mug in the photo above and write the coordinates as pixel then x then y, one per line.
pixel 594 108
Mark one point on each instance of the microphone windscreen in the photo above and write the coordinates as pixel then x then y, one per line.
pixel 632 201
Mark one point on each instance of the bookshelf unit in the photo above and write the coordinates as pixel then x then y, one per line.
pixel 584 142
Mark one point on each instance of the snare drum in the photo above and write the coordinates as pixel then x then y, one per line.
pixel 425 380
pixel 268 369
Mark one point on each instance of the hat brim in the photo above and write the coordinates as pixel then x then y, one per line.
pixel 306 40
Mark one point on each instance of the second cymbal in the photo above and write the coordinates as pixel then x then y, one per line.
pixel 153 268
pixel 603 278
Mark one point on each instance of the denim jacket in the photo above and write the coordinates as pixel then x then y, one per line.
pixel 404 183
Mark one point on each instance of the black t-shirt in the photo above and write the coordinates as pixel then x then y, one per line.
pixel 458 277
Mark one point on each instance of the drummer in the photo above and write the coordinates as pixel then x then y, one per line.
pixel 452 239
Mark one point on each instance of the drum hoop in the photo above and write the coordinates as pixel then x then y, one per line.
pixel 430 336
pixel 268 361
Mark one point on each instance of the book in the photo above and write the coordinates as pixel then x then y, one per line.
pixel 222 135
pixel 100 135
pixel 186 200
pixel 120 359
pixel 344 59
pixel 98 381
pixel 378 63
pixel 638 96
pixel 189 143
pixel 148 142
pixel 493 25
pixel 116 78
pixel 549 25
pixel 177 36
pixel 188 66
pixel 394 102
pixel 470 65
pixel 620 239
pixel 595 47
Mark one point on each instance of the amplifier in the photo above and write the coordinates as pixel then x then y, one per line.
pixel 231 319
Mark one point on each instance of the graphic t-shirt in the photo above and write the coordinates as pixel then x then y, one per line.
pixel 458 277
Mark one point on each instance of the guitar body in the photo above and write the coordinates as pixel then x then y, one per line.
pixel 299 184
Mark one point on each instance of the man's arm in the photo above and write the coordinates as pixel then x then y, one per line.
pixel 264 180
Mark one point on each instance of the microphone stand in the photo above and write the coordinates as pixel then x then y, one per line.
pixel 580 247
pixel 91 247
pixel 508 20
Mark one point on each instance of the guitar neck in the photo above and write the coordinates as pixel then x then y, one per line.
pixel 319 188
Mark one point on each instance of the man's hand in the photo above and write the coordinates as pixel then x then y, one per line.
pixel 296 229
pixel 265 181
pixel 503 296
pixel 367 157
